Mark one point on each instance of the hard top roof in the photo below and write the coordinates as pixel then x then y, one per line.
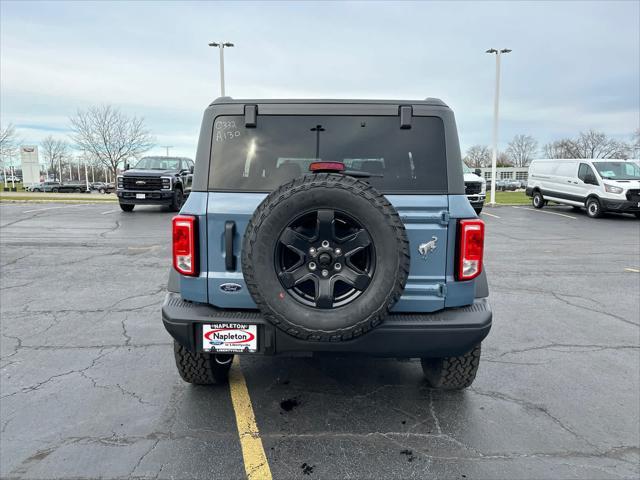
pixel 427 101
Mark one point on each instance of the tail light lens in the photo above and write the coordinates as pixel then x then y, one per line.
pixel 470 248
pixel 184 245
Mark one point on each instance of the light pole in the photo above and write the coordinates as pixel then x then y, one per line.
pixel 496 101
pixel 167 147
pixel 221 46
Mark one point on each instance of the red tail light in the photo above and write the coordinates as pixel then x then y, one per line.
pixel 470 248
pixel 184 245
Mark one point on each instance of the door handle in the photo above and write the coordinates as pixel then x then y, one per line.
pixel 229 257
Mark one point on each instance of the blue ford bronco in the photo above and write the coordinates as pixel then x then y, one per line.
pixel 333 226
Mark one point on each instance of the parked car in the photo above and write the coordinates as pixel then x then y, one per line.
pixel 48 186
pixel 475 188
pixel 102 187
pixel 597 185
pixel 75 187
pixel 284 249
pixel 513 185
pixel 156 181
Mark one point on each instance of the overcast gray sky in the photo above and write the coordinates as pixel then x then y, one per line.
pixel 574 65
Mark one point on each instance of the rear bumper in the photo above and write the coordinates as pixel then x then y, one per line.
pixel 154 197
pixel 621 206
pixel 453 331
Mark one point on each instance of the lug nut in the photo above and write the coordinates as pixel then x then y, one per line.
pixel 325 243
pixel 338 251
pixel 325 273
pixel 337 266
pixel 312 266
pixel 312 251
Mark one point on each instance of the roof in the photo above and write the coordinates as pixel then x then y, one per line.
pixel 427 101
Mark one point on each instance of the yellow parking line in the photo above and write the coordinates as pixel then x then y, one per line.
pixel 634 270
pixel 255 460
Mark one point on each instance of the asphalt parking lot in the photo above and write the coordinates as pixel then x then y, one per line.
pixel 89 388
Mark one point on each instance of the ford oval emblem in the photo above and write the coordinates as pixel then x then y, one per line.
pixel 230 287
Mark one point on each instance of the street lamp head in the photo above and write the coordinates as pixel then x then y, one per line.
pixel 505 50
pixel 214 44
pixel 227 44
pixel 492 50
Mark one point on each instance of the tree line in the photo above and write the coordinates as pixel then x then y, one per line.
pixel 524 148
pixel 106 138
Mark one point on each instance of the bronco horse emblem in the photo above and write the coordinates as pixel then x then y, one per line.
pixel 426 248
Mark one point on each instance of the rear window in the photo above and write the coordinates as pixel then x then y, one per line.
pixel 281 148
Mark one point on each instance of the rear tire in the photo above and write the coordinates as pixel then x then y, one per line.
pixel 537 200
pixel 452 373
pixel 200 368
pixel 594 209
pixel 126 207
pixel 54 190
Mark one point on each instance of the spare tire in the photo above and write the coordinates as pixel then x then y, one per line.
pixel 325 257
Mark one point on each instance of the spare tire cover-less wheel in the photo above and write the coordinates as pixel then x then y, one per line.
pixel 325 256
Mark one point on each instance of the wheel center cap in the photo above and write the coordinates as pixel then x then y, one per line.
pixel 324 259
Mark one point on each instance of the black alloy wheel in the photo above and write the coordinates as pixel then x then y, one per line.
pixel 325 258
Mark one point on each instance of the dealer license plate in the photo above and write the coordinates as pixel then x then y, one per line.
pixel 230 338
pixel 141 195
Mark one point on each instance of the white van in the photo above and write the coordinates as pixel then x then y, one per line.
pixel 598 185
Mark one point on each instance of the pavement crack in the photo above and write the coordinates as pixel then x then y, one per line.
pixel 432 410
pixel 532 406
pixel 39 385
pixel 556 346
pixel 595 310
pixel 111 230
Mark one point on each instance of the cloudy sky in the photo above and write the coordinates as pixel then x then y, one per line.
pixel 574 65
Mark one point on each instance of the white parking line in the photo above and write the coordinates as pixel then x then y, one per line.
pixel 634 270
pixel 108 212
pixel 52 208
pixel 545 211
pixel 489 214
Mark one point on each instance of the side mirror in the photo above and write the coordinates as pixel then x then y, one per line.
pixel 590 179
pixel 191 168
pixel 127 166
pixel 478 172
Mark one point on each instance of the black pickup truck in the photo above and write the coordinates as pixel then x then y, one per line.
pixel 156 181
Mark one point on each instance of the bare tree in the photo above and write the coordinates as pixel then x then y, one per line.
pixel 594 144
pixel 563 148
pixel 478 156
pixel 8 141
pixel 635 144
pixel 521 150
pixel 503 160
pixel 55 153
pixel 110 136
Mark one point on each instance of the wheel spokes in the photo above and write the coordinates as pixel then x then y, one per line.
pixel 324 293
pixel 295 240
pixel 355 242
pixel 326 230
pixel 357 280
pixel 292 278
